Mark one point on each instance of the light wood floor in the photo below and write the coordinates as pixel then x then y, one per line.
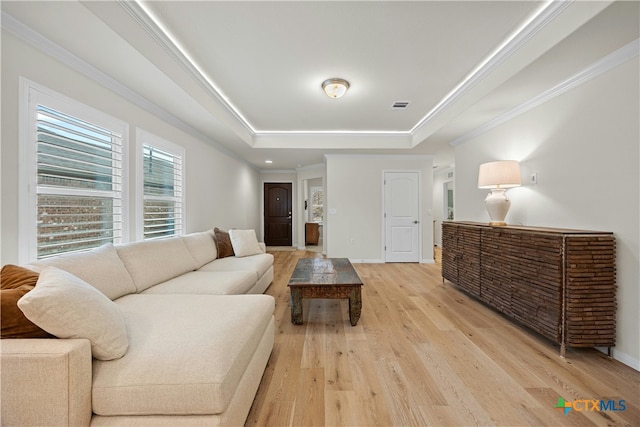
pixel 425 354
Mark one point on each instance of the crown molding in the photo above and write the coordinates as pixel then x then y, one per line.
pixel 546 15
pixel 597 68
pixel 37 40
pixel 152 26
pixel 48 47
pixel 333 140
pixel 278 171
pixel 278 139
pixel 312 166
pixel 381 156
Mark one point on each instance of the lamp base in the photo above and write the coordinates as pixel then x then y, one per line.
pixel 497 204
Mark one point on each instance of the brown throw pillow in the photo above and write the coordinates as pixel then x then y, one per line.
pixel 223 243
pixel 16 281
pixel 13 276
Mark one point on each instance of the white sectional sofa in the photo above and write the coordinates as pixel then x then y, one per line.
pixel 199 332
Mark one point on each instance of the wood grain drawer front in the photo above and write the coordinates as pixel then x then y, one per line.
pixel 559 283
pixel 469 259
pixel 450 252
pixel 495 271
pixel 536 278
pixel 591 292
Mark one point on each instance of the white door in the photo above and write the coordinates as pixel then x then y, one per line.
pixel 402 216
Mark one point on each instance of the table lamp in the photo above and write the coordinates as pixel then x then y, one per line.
pixel 498 176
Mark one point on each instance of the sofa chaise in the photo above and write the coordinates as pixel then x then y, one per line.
pixel 184 337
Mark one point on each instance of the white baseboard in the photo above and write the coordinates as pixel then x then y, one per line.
pixel 428 261
pixel 365 261
pixel 623 358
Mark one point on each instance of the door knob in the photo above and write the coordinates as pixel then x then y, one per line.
pixel 415 222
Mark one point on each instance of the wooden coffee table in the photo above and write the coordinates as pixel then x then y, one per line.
pixel 332 278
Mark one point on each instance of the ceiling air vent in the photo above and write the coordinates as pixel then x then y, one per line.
pixel 400 105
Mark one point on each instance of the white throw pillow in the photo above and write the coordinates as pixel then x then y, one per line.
pixel 244 242
pixel 69 307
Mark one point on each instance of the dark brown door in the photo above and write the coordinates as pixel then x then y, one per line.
pixel 277 214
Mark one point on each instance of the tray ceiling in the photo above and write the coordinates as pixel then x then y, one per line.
pixel 248 75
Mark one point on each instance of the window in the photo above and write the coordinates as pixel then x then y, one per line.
pixel 317 204
pixel 448 196
pixel 73 179
pixel 162 203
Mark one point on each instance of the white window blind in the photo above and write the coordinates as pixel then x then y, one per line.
pixel 163 195
pixel 79 183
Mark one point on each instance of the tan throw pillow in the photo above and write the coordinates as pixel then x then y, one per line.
pixel 68 307
pixel 244 242
pixel 15 282
pixel 223 243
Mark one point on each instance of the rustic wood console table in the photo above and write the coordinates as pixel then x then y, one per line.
pixel 560 283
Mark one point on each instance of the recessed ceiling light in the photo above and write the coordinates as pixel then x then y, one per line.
pixel 268 161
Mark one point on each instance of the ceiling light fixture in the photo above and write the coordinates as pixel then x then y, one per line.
pixel 335 88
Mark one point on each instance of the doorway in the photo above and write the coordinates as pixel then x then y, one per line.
pixel 448 200
pixel 402 216
pixel 277 214
pixel 313 191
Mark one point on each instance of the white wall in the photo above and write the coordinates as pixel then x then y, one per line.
pixel 354 189
pixel 220 190
pixel 584 147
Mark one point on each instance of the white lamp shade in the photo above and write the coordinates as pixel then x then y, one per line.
pixel 335 88
pixel 500 174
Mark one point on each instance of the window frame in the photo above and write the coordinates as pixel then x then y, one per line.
pixel 31 95
pixel 313 190
pixel 144 137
